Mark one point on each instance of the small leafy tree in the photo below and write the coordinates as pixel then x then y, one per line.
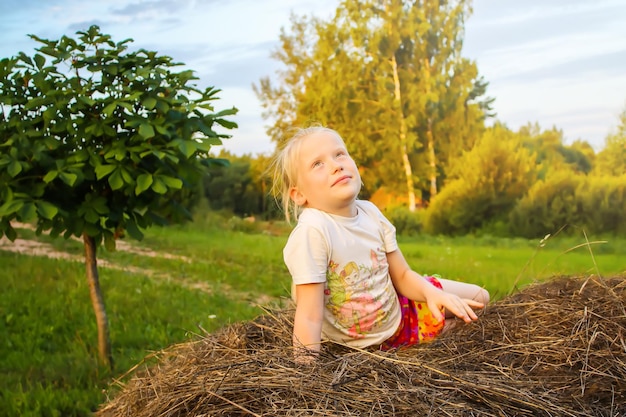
pixel 484 186
pixel 99 141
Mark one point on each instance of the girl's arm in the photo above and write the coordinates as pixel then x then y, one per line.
pixel 307 326
pixel 413 286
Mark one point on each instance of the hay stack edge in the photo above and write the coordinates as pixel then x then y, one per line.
pixel 556 348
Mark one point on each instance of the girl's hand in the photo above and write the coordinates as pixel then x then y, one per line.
pixel 460 307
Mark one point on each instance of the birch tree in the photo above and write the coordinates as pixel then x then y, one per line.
pixel 389 76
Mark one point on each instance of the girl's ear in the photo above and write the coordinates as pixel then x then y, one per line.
pixel 297 197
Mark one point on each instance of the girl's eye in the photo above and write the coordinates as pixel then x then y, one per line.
pixel 316 164
pixel 341 153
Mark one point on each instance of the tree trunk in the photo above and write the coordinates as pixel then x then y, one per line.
pixel 97 301
pixel 408 171
pixel 432 159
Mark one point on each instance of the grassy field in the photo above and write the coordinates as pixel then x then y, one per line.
pixel 180 281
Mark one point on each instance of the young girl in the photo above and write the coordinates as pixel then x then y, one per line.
pixel 351 283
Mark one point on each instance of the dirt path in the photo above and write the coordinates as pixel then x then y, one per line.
pixel 35 248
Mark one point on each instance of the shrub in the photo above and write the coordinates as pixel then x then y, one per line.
pixel 487 181
pixel 602 201
pixel 407 222
pixel 548 206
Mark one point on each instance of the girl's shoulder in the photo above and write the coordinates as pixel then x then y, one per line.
pixel 369 208
pixel 375 214
pixel 311 217
pixel 312 220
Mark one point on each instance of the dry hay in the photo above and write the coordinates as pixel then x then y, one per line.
pixel 551 349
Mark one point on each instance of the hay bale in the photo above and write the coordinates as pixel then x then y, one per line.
pixel 555 348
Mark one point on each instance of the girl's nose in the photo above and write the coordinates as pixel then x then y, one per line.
pixel 337 166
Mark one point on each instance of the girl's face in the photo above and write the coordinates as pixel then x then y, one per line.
pixel 328 179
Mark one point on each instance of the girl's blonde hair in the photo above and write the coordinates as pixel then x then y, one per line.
pixel 284 169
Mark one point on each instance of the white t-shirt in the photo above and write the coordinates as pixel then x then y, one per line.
pixel 348 254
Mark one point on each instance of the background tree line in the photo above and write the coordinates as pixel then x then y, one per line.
pixel 526 183
pixel 390 77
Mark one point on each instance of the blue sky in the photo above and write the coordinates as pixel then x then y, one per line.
pixel 555 62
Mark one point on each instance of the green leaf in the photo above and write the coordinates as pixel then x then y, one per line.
pixel 128 179
pixel 162 106
pixel 207 144
pixel 80 155
pixel 109 241
pixel 212 162
pixel 10 233
pixel 86 100
pixel 118 152
pixel 162 130
pixel 158 186
pixel 10 207
pixel 126 105
pixel 27 212
pixel 171 182
pixel 149 103
pixel 91 216
pixel 112 69
pixel 104 170
pixel 146 131
pixel 226 123
pixel 46 210
pixel 40 61
pixel 227 112
pixel 99 204
pixel 50 176
pixel 144 181
pixel 115 180
pixel 68 178
pixel 133 230
pixel 187 147
pixel 109 109
pixel 14 168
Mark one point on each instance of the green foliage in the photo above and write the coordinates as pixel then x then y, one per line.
pixel 407 222
pixel 241 187
pixel 602 200
pixel 552 155
pixel 487 181
pixel 612 159
pixel 390 77
pixel 230 187
pixel 95 139
pixel 549 205
pixel 592 203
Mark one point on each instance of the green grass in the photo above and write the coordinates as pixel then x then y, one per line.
pixel 504 265
pixel 214 277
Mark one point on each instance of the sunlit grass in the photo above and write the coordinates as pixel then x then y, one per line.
pixel 504 268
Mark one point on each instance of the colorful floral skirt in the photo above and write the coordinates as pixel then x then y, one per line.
pixel 417 325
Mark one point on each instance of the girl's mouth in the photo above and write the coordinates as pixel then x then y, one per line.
pixel 340 179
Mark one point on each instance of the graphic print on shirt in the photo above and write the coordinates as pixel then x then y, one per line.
pixel 351 297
